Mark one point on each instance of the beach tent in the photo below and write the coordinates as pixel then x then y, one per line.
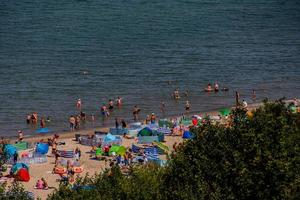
pixel 98 152
pixel 23 175
pixel 187 135
pixel 42 148
pixel 195 121
pixel 224 111
pixel 186 122
pixel 109 137
pixel 10 150
pixel 16 167
pixel 118 150
pixel 21 146
pixel 146 132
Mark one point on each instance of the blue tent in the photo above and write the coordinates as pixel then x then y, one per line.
pixel 109 137
pixel 146 132
pixel 187 135
pixel 42 148
pixel 16 167
pixel 10 150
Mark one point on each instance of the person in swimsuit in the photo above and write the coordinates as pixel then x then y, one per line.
pixel 216 87
pixel 187 106
pixel 135 112
pixel 43 123
pixel 253 95
pixel 119 101
pixel 152 118
pixel 28 119
pixel 110 104
pixel 20 135
pixel 72 122
pixel 162 107
pixel 78 104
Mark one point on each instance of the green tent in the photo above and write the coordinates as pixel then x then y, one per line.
pixel 186 122
pixel 145 132
pixel 118 150
pixel 99 152
pixel 224 111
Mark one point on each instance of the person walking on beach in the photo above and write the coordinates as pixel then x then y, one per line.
pixel 78 104
pixel 135 112
pixel 187 106
pixel 72 122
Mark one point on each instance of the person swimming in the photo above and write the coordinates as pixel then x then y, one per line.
pixel 208 88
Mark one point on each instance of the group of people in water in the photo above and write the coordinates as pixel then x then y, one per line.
pixel 106 109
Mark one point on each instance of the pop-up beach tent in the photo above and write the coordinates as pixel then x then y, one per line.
pixel 42 148
pixel 118 150
pixel 224 111
pixel 9 150
pixel 187 135
pixel 146 132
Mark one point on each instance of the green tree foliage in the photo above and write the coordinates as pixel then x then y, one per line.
pixel 256 158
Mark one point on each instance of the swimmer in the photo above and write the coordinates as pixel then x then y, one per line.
pixel 78 104
pixel 119 101
pixel 20 135
pixel 187 106
pixel 110 104
pixel 216 87
pixel 162 107
pixel 253 95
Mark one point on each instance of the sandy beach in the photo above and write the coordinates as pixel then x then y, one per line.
pixel 91 166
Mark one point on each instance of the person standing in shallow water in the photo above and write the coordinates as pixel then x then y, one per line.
pixel 162 107
pixel 43 123
pixel 135 112
pixel 253 95
pixel 78 104
pixel 187 106
pixel 72 122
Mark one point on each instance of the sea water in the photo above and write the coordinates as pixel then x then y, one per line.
pixel 54 52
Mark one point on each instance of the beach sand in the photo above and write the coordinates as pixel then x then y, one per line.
pixel 91 166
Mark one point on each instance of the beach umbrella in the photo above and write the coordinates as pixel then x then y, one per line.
pixel 224 111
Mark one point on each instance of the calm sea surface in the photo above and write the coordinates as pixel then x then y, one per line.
pixel 132 48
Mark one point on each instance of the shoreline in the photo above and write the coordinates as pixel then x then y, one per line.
pixel 91 131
